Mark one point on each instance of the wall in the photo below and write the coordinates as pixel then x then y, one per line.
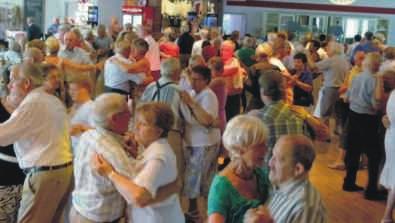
pixel 107 9
pixel 254 15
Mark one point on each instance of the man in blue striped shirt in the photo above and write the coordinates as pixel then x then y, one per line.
pixel 294 199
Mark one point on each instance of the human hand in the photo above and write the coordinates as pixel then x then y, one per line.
pixel 258 215
pixel 78 129
pixel 131 145
pixel 386 121
pixel 100 165
pixel 186 98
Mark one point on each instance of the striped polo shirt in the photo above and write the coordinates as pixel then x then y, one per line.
pixel 297 202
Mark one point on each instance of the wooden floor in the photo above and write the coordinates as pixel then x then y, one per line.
pixel 342 207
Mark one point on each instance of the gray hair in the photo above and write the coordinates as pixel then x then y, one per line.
pixel 105 106
pixel 243 131
pixel 169 67
pixel 34 54
pixel 32 72
pixel 121 46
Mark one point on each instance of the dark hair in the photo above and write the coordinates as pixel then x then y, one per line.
pixel 357 38
pixel 322 37
pixel 204 71
pixel 369 36
pixel 316 44
pixel 206 43
pixel 302 150
pixel 160 113
pixel 271 83
pixel 301 56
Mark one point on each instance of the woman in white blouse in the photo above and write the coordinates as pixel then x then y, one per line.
pixel 156 167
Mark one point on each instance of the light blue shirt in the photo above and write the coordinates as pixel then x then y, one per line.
pixel 361 94
pixel 115 77
pixel 334 70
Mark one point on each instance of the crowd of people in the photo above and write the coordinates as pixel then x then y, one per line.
pixel 114 125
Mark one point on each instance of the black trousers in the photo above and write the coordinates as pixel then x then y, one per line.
pixel 233 105
pixel 362 137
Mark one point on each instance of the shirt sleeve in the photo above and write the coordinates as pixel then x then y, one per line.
pixel 20 125
pixel 218 197
pixel 148 177
pixel 323 64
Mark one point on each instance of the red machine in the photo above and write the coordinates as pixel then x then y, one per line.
pixel 137 15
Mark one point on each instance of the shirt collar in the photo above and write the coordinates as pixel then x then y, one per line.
pixel 289 186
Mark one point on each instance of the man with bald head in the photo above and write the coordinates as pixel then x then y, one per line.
pixel 294 199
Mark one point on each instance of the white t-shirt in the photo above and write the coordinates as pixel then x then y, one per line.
pixel 195 133
pixel 157 168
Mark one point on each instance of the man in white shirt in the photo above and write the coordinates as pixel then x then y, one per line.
pixel 153 53
pixel 116 79
pixel 40 132
pixel 197 45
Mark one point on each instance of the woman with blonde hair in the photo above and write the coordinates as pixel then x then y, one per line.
pixel 243 184
pixel 168 48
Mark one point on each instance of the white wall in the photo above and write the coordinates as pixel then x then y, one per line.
pixel 107 9
pixel 254 15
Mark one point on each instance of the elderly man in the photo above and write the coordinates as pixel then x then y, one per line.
pixel 72 52
pixel 95 199
pixel 167 90
pixel 294 199
pixel 197 45
pixel 277 115
pixel 334 70
pixel 40 133
pixel 117 79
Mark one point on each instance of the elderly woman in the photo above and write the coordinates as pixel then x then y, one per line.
pixel 242 184
pixel 201 142
pixel 362 128
pixel 168 48
pixel 157 167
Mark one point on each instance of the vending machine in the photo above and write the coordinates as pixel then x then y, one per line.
pixel 137 15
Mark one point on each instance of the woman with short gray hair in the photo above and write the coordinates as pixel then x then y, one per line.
pixel 245 139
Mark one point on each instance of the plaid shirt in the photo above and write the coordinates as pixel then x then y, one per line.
pixel 94 196
pixel 280 120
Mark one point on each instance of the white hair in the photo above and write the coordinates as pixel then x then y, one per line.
pixel 105 106
pixel 169 67
pixel 242 132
